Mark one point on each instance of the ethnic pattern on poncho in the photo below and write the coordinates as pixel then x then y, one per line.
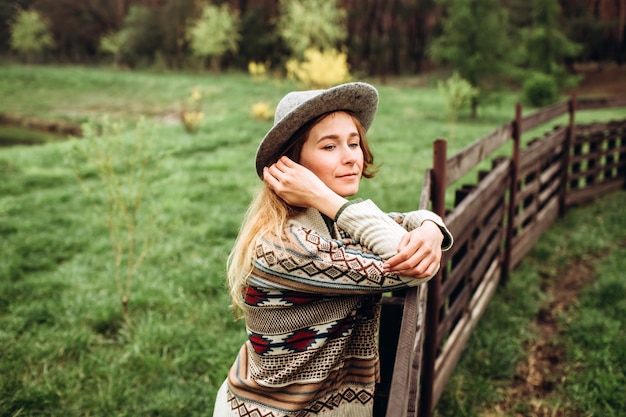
pixel 312 316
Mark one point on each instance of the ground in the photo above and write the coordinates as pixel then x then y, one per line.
pixel 602 80
pixel 543 370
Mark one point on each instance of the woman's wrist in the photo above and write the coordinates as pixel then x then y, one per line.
pixel 329 204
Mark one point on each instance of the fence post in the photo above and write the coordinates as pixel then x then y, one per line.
pixel 433 303
pixel 567 150
pixel 510 227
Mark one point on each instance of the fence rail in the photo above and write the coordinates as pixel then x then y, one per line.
pixel 495 222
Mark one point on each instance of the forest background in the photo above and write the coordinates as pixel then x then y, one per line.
pixel 382 36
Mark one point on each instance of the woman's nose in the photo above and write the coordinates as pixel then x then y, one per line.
pixel 349 156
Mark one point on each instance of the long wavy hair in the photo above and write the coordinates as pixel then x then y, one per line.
pixel 268 214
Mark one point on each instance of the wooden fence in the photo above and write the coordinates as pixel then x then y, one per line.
pixel 425 329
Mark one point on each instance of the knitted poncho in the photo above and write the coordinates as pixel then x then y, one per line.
pixel 313 313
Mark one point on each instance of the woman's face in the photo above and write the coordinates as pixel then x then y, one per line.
pixel 333 152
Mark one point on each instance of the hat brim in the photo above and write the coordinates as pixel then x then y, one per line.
pixel 358 98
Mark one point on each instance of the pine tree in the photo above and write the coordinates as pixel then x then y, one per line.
pixel 474 41
pixel 545 48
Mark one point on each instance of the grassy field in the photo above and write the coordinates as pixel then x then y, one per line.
pixel 64 349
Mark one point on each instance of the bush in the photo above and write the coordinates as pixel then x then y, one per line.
pixel 540 90
pixel 457 92
pixel 113 44
pixel 214 34
pixel 192 114
pixel 311 24
pixel 30 34
pixel 320 69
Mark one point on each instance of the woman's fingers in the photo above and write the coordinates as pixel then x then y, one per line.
pixel 419 252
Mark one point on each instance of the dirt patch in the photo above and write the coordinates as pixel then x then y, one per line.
pixel 543 370
pixel 54 127
pixel 601 80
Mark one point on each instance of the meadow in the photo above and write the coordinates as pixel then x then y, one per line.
pixel 64 347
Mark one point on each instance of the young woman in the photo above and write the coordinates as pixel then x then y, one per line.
pixel 309 266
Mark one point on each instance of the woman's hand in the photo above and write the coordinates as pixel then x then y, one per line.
pixel 419 252
pixel 300 187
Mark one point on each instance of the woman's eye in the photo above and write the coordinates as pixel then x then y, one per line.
pixel 329 147
pixel 354 145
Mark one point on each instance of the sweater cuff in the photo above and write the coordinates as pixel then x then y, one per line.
pixel 342 208
pixel 415 219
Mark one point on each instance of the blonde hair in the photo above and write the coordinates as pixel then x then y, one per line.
pixel 268 214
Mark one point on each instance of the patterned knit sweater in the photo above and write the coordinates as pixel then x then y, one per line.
pixel 313 313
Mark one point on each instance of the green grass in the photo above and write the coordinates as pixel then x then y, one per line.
pixel 591 330
pixel 63 347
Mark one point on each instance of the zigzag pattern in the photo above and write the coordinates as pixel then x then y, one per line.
pixel 340 267
pixel 331 403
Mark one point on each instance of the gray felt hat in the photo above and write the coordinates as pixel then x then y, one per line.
pixel 299 107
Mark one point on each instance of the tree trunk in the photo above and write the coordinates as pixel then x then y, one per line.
pixel 474 114
pixel 121 11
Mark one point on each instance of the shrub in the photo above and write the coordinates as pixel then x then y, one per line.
pixel 113 43
pixel 320 69
pixel 121 158
pixel 214 34
pixel 137 42
pixel 192 114
pixel 540 90
pixel 258 70
pixel 311 24
pixel 262 111
pixel 457 93
pixel 30 34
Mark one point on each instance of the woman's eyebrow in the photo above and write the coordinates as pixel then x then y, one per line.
pixel 336 136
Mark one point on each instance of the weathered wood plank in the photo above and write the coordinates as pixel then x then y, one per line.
pixel 551 145
pixel 460 270
pixel 451 351
pixel 398 402
pixel 464 161
pixel 453 313
pixel 546 114
pixel 487 193
pixel 525 241
pixel 576 197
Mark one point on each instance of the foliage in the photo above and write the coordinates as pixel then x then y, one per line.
pixel 30 34
pixel 544 47
pixel 137 42
pixel 258 70
pixel 385 37
pixel 540 90
pixel 262 111
pixel 122 169
pixel 214 34
pixel 597 29
pixel 474 41
pixel 192 113
pixel 113 43
pixel 142 35
pixel 311 24
pixel 260 41
pixel 319 69
pixel 457 93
